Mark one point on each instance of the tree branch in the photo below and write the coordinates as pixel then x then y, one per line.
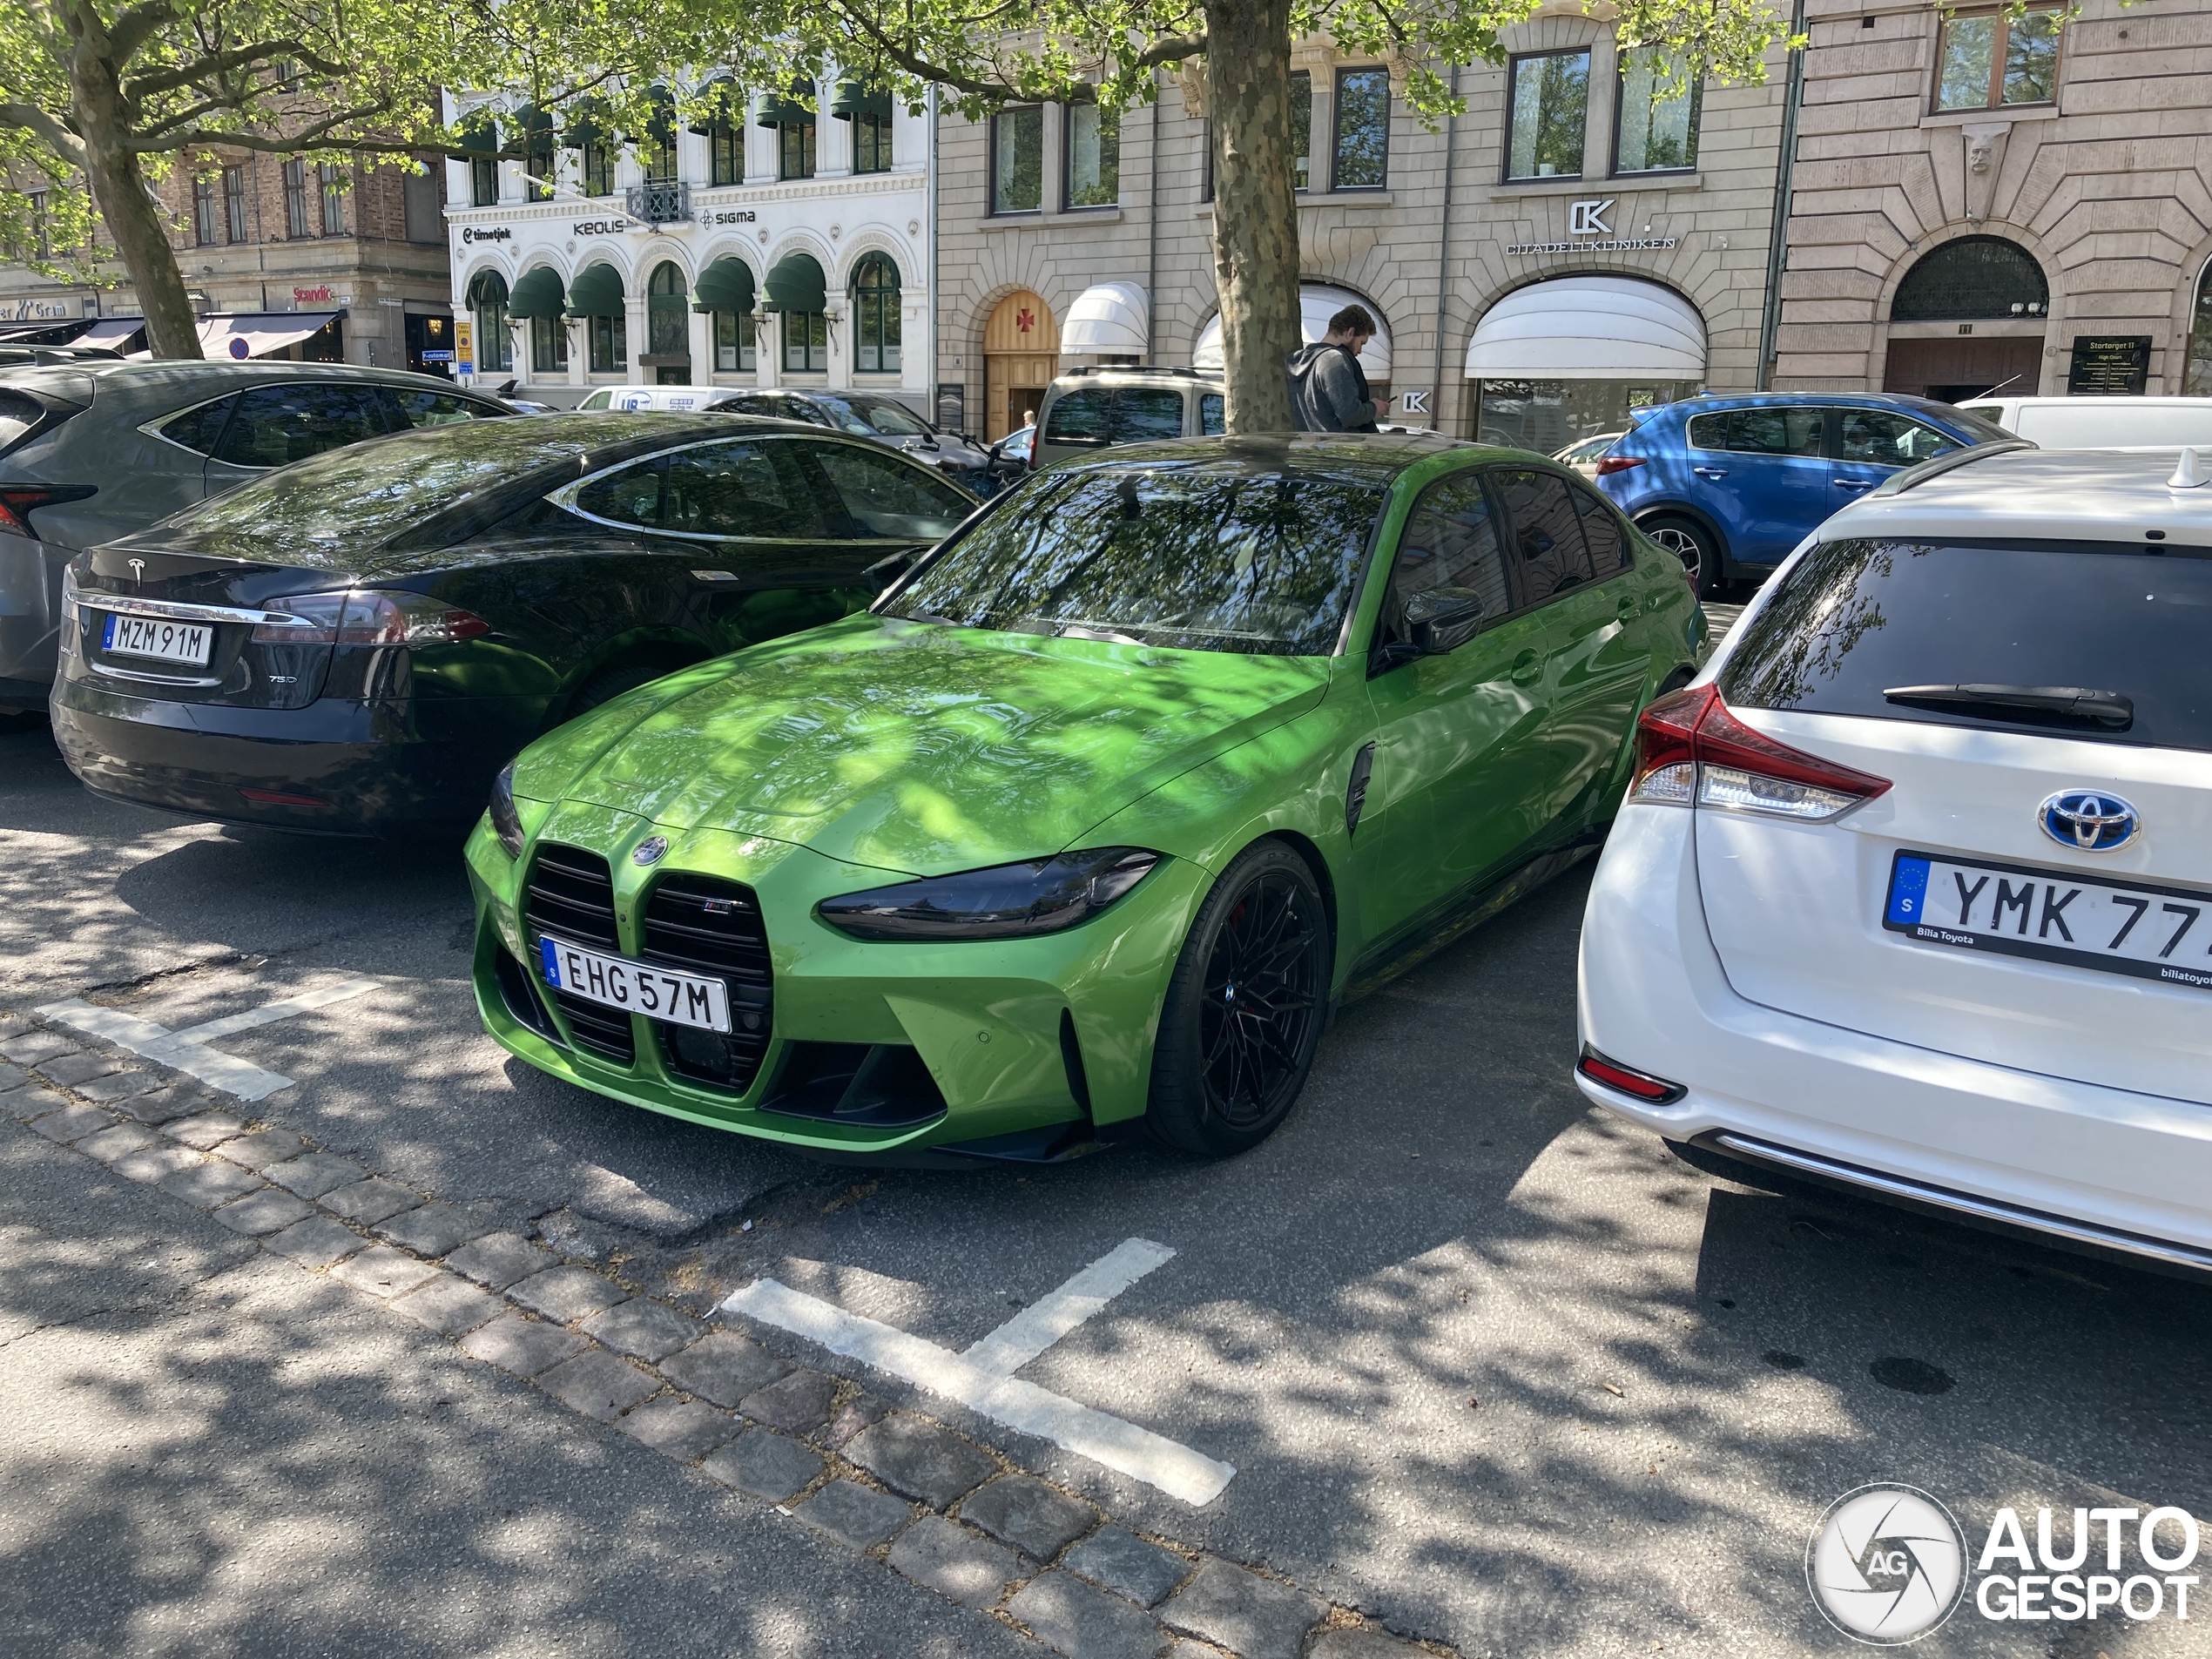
pixel 1173 49
pixel 167 80
pixel 132 28
pixel 46 128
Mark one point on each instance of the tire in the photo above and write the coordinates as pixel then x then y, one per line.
pixel 609 683
pixel 1228 1065
pixel 1697 548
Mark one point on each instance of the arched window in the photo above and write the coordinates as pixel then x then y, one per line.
pixel 2197 382
pixel 1972 280
pixel 488 304
pixel 875 316
pixel 668 332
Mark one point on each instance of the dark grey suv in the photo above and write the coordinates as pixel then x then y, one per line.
pixel 91 451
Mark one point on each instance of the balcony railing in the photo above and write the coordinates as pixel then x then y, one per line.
pixel 662 203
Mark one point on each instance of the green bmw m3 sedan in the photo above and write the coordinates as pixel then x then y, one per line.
pixel 1089 822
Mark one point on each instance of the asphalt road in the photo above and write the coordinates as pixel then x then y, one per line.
pixel 1492 1368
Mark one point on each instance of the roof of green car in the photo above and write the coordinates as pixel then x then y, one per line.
pixel 1361 457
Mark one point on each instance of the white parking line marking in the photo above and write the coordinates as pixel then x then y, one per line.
pixel 1120 1446
pixel 1036 1327
pixel 188 1050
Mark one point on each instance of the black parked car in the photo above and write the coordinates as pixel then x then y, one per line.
pixel 357 644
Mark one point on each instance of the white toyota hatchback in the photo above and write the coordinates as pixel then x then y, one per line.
pixel 1913 886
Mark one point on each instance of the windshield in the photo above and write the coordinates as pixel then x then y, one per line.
pixel 1209 556
pixel 874 416
pixel 1856 622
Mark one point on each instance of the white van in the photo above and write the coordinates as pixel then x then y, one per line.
pixel 674 400
pixel 2102 422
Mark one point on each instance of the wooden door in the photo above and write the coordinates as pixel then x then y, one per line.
pixel 1958 369
pixel 1021 351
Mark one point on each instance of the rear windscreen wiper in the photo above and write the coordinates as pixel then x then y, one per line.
pixel 2113 711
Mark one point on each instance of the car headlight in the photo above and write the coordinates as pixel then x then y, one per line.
pixel 506 822
pixel 1005 901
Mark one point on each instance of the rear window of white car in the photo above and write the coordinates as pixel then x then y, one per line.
pixel 1989 634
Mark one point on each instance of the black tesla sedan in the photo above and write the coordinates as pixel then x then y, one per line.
pixel 356 643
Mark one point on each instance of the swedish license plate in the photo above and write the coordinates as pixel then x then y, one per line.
pixel 634 986
pixel 2140 928
pixel 159 637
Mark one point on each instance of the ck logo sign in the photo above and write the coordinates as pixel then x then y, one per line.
pixel 1587 219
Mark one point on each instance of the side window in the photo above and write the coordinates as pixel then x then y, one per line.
pixel 1450 541
pixel 436 408
pixel 201 429
pixel 629 496
pixel 598 399
pixel 1707 431
pixel 745 488
pixel 751 403
pixel 887 496
pixel 1213 414
pixel 1786 429
pixel 1545 533
pixel 1143 413
pixel 1079 417
pixel 1889 440
pixel 1602 531
pixel 278 425
pixel 798 409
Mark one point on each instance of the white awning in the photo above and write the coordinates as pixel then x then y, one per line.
pixel 252 333
pixel 109 332
pixel 1589 329
pixel 1109 318
pixel 1317 303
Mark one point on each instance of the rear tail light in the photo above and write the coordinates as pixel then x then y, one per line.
pixel 1617 463
pixel 1690 749
pixel 367 617
pixel 17 502
pixel 1657 1091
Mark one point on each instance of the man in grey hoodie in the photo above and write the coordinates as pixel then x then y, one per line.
pixel 1328 387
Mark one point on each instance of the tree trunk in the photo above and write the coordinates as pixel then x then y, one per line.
pixel 1255 212
pixel 118 186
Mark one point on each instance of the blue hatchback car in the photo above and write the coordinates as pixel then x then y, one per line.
pixel 1732 483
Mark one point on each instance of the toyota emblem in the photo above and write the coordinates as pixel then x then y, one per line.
pixel 2089 820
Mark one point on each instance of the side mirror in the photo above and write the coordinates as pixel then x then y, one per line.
pixel 1443 619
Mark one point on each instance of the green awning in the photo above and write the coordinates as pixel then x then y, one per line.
pixel 596 292
pixel 489 289
pixel 538 293
pixel 589 123
pixel 794 107
pixel 726 285
pixel 796 284
pixel 536 127
pixel 722 95
pixel 853 100
pixel 480 133
pixel 660 125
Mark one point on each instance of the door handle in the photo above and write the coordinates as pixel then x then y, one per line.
pixel 1527 668
pixel 1854 483
pixel 1710 472
pixel 1627 607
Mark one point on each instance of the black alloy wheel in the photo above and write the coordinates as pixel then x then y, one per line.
pixel 1245 1008
pixel 1693 544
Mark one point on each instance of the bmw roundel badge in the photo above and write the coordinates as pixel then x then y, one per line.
pixel 652 850
pixel 2089 820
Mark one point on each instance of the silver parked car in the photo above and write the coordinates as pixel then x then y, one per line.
pixel 92 450
pixel 874 416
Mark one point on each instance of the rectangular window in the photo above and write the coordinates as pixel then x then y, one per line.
pixel 1548 108
pixel 1990 59
pixel 207 228
pixel 494 344
pixel 1017 159
pixel 658 156
pixel 1660 100
pixel 725 153
pixel 549 346
pixel 610 345
pixel 1363 130
pixel 1301 133
pixel 333 200
pixel 295 199
pixel 871 143
pixel 234 202
pixel 736 349
pixel 538 167
pixel 483 182
pixel 42 238
pixel 805 342
pixel 596 161
pixel 1093 157
pixel 795 149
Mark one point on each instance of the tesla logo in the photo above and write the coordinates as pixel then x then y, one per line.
pixel 1024 321
pixel 1587 219
pixel 137 571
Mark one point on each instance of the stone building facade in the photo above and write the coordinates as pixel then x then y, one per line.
pixel 1531 292
pixel 1981 200
pixel 329 259
pixel 788 244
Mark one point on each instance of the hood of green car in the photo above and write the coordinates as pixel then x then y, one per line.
pixel 923 748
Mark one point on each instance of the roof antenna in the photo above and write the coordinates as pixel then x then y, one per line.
pixel 2189 474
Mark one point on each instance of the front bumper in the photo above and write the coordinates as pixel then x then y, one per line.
pixel 1015 1036
pixel 2053 1155
pixel 355 768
